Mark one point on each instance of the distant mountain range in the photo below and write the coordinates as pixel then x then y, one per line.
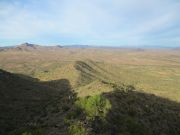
pixel 30 47
pixel 36 47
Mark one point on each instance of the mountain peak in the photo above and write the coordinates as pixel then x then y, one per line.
pixel 28 44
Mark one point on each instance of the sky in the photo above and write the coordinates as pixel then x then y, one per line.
pixel 91 22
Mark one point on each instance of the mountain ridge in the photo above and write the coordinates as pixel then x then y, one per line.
pixel 30 47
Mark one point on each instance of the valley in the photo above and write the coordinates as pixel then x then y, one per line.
pixel 80 91
pixel 155 71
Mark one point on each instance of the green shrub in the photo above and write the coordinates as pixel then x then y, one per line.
pixel 77 129
pixel 91 109
pixel 94 106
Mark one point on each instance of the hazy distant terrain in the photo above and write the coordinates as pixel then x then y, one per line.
pixel 154 71
pixel 137 88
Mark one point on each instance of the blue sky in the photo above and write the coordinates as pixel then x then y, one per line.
pixel 92 22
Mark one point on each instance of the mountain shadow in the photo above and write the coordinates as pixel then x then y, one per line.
pixel 60 85
pixel 136 113
pixel 125 111
pixel 27 105
pixel 31 107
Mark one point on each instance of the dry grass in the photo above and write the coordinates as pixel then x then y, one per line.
pixel 151 70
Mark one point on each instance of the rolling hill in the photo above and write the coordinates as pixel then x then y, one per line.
pixel 89 91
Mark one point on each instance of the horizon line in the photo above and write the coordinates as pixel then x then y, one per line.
pixel 95 45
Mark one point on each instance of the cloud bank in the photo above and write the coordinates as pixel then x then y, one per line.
pixel 93 22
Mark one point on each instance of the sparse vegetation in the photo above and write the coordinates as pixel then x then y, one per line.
pixel 77 129
pixel 152 71
pixel 94 106
pixel 90 92
pixel 125 112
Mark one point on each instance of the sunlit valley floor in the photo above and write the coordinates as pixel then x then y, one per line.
pixel 79 91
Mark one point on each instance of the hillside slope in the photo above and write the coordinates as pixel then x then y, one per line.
pixel 124 111
pixel 26 104
pixel 31 107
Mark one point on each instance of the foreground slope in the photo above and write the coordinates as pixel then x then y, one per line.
pixel 124 112
pixel 31 107
pixel 27 104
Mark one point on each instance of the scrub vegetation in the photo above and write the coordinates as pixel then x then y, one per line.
pixel 89 91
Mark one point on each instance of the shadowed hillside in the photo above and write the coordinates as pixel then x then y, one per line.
pixel 141 114
pixel 30 107
pixel 124 112
pixel 27 105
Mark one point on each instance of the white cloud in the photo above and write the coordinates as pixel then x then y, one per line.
pixel 129 21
